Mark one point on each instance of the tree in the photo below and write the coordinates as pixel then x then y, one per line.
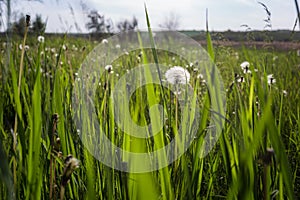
pixel 6 8
pixel 96 23
pixel 127 25
pixel 38 26
pixel 171 22
pixel 109 25
pixel 19 26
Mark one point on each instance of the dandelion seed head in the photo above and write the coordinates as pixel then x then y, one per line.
pixel 240 79
pixel 200 76
pixel 177 75
pixel 26 47
pixel 284 92
pixel 74 47
pixel 246 67
pixel 245 64
pixel 108 68
pixel 104 41
pixel 236 54
pixel 41 39
pixel 74 163
pixel 271 79
pixel 64 47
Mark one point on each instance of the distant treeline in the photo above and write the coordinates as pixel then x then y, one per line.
pixel 278 35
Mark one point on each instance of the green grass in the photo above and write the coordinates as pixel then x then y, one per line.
pixel 258 117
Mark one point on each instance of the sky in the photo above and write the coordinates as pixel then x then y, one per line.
pixel 62 15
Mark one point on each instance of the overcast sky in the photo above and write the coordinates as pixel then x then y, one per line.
pixel 223 14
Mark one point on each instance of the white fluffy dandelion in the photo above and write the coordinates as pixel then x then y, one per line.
pixel 246 67
pixel 240 79
pixel 285 93
pixel 26 47
pixel 200 76
pixel 104 41
pixel 177 75
pixel 64 47
pixel 108 68
pixel 271 79
pixel 41 39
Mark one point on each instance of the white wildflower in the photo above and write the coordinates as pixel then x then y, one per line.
pixel 246 67
pixel 236 54
pixel 240 79
pixel 284 93
pixel 118 46
pixel 74 47
pixel 71 163
pixel 108 68
pixel 26 47
pixel 271 79
pixel 64 47
pixel 177 75
pixel 41 39
pixel 104 41
pixel 200 76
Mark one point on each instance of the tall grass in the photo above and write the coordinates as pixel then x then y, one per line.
pixel 255 157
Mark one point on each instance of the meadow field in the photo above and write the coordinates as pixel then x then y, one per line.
pixel 43 154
